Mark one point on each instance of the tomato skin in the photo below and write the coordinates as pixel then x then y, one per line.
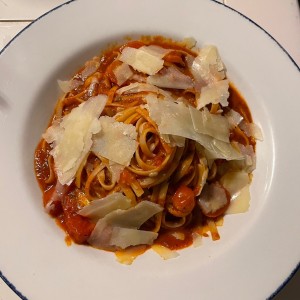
pixel 184 200
pixel 78 227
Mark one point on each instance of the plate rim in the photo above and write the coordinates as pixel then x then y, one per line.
pixel 297 267
pixel 215 1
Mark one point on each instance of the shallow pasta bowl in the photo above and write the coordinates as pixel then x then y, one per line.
pixel 257 251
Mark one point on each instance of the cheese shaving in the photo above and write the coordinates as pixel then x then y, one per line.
pixel 156 50
pixel 241 203
pixel 90 68
pixel 214 125
pixel 101 207
pixel 68 85
pixel 72 137
pixel 115 170
pixel 119 228
pixel 143 61
pixel 251 129
pixel 164 252
pixel 175 119
pixel 237 184
pixel 234 118
pixel 122 73
pixel 208 66
pixel 116 141
pixel 214 93
pixel 171 78
pixel 137 87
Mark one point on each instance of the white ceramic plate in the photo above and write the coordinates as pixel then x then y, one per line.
pixel 257 251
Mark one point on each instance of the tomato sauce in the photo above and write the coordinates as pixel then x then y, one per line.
pixel 175 239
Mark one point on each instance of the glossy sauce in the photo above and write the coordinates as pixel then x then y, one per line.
pixel 175 239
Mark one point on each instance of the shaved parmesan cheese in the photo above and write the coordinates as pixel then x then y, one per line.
pixel 175 119
pixel 237 184
pixel 69 85
pixel 171 78
pixel 212 199
pixel 241 203
pixel 173 140
pixel 171 117
pixel 120 227
pixel 251 129
pixel 221 150
pixel 116 141
pixel 249 162
pixel 190 42
pixel 213 125
pixel 72 138
pixel 141 87
pixel 122 73
pixel 234 118
pixel 256 132
pixel 115 170
pixel 156 50
pixel 234 182
pixel 197 239
pixel 208 66
pixel 139 77
pixel 90 68
pixel 214 93
pixel 133 217
pixel 127 256
pixel 125 237
pixel 164 252
pixel 101 207
pixel 141 60
pixel 53 133
pixel 246 164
